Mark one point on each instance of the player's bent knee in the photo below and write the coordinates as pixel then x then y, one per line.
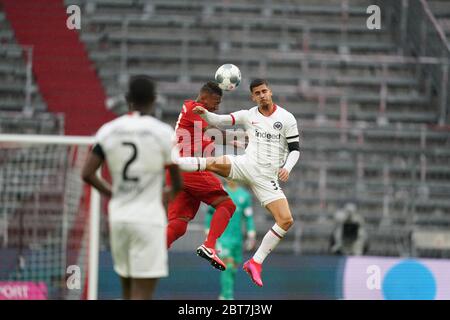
pixel 178 226
pixel 291 222
pixel 229 205
pixel 286 223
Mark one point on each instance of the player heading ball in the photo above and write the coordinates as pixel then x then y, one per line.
pixel 266 160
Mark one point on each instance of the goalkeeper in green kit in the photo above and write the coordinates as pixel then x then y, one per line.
pixel 231 242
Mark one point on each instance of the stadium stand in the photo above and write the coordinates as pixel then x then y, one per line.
pixel 62 69
pixel 370 105
pixel 366 107
pixel 22 107
pixel 441 10
pixel 41 192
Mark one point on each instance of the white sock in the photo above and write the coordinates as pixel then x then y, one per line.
pixel 191 164
pixel 269 242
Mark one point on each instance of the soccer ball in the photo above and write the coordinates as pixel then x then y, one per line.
pixel 228 77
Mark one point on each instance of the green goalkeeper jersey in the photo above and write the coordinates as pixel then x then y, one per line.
pixel 244 213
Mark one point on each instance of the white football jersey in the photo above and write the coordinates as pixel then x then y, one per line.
pixel 137 148
pixel 268 135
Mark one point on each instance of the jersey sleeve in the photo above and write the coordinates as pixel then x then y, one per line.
pixel 291 132
pixel 188 116
pixel 186 113
pixel 97 150
pixel 239 117
pixel 101 136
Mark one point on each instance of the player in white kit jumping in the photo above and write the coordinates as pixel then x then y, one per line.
pixel 137 147
pixel 272 152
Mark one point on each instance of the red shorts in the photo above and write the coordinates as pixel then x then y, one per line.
pixel 197 187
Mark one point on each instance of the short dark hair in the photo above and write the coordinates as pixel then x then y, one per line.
pixel 211 87
pixel 258 82
pixel 141 91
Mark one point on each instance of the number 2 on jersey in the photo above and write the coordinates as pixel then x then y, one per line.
pixel 125 176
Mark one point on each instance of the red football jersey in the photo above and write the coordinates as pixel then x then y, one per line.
pixel 190 132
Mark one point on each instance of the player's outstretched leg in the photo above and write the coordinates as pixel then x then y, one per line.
pixel 280 211
pixel 180 211
pixel 224 211
pixel 223 204
pixel 191 164
pixel 219 165
pixel 176 228
pixel 254 270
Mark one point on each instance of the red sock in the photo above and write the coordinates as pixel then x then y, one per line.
pixel 224 211
pixel 175 229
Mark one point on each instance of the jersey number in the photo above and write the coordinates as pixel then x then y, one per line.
pixel 274 185
pixel 125 176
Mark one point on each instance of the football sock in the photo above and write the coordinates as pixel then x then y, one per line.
pixel 224 211
pixel 191 164
pixel 175 229
pixel 269 242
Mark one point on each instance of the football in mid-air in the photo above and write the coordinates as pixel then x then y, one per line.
pixel 228 77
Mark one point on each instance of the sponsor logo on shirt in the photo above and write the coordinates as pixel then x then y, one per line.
pixel 267 135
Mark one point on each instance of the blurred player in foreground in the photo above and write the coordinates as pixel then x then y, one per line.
pixel 272 152
pixel 230 243
pixel 199 186
pixel 136 147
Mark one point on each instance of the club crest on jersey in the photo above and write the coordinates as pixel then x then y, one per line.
pixel 278 125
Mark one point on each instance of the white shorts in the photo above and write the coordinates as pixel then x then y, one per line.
pixel 139 250
pixel 263 182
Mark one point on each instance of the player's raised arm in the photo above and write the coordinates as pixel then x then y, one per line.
pixel 231 119
pixel 234 138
